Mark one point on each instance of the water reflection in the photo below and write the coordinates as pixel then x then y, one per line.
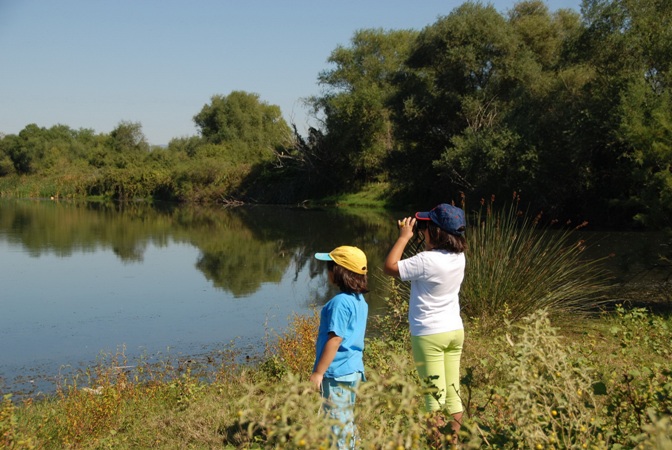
pixel 241 248
pixel 80 279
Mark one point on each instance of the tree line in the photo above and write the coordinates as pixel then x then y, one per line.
pixel 571 110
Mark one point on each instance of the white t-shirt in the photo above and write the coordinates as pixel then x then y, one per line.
pixel 435 276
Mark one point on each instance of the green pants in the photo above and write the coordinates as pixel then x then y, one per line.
pixel 437 359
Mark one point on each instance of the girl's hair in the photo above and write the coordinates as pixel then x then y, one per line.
pixel 443 240
pixel 348 281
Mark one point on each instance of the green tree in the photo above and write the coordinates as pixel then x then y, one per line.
pixel 126 145
pixel 128 138
pixel 646 109
pixel 26 149
pixel 455 93
pixel 627 42
pixel 251 130
pixel 356 101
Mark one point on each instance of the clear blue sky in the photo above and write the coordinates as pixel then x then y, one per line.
pixel 95 63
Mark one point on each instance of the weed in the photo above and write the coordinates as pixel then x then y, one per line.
pixel 10 436
pixel 294 349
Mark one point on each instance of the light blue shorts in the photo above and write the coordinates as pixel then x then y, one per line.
pixel 340 394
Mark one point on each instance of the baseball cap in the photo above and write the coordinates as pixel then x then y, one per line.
pixel 346 256
pixel 447 217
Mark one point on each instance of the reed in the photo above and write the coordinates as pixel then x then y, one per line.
pixel 516 266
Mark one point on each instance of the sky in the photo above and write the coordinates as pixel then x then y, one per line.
pixel 95 63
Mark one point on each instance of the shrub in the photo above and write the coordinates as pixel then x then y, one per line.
pixel 393 325
pixel 279 415
pixel 10 436
pixel 545 396
pixel 637 383
pixel 294 350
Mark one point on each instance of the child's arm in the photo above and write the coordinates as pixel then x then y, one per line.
pixel 328 354
pixel 405 234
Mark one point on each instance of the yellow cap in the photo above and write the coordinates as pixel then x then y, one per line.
pixel 346 256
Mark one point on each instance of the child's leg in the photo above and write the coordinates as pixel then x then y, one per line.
pixel 437 359
pixel 340 404
pixel 428 357
pixel 452 356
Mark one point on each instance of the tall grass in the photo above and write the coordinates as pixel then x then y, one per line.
pixel 515 266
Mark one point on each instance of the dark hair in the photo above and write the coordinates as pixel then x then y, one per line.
pixel 443 240
pixel 348 281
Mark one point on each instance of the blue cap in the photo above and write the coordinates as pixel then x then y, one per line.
pixel 447 217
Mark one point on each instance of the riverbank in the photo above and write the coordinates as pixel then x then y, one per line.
pixel 603 383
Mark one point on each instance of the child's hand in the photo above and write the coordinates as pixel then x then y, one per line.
pixel 406 226
pixel 316 379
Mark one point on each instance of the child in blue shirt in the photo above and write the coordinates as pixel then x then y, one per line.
pixel 339 366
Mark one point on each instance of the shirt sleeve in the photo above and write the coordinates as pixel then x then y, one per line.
pixel 412 268
pixel 341 315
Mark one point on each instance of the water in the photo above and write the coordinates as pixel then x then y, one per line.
pixel 78 282
pixel 81 281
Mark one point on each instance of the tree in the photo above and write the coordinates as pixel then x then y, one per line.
pixel 456 91
pixel 627 42
pixel 251 129
pixel 128 138
pixel 26 149
pixel 356 101
pixel 645 109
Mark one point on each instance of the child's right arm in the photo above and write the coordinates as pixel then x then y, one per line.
pixel 327 357
pixel 405 234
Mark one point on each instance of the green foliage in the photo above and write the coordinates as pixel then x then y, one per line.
pixel 286 415
pixel 545 396
pixel 356 100
pixel 528 386
pixel 254 129
pixel 640 392
pixel 127 137
pixel 574 109
pixel 647 127
pixel 394 323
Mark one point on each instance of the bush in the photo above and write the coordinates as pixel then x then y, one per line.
pixel 545 395
pixel 293 351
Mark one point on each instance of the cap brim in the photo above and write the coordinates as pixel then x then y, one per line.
pixel 422 215
pixel 323 257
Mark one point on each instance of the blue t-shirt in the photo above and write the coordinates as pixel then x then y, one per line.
pixel 344 315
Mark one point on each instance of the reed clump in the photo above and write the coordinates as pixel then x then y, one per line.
pixel 516 266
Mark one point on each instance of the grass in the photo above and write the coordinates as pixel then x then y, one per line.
pixel 372 195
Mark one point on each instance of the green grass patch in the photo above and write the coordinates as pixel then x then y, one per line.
pixel 372 195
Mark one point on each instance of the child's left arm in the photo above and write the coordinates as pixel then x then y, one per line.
pixel 328 354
